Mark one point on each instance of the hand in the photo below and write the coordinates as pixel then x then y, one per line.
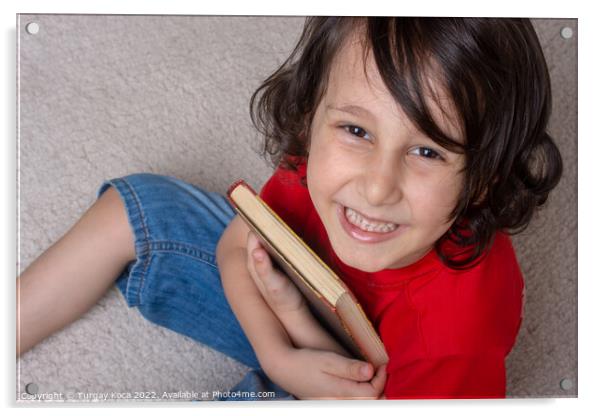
pixel 287 303
pixel 320 366
pixel 278 291
pixel 314 374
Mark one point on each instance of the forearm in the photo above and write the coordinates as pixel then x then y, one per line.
pixel 306 332
pixel 263 329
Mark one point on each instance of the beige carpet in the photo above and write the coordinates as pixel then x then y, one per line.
pixel 104 96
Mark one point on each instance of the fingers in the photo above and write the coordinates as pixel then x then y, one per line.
pixel 357 379
pixel 253 245
pixel 259 262
pixel 374 389
pixel 347 368
pixel 378 382
pixel 280 293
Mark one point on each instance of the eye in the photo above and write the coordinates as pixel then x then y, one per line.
pixel 356 131
pixel 427 152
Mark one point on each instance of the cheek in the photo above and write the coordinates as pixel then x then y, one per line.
pixel 331 160
pixel 324 163
pixel 433 202
pixel 318 173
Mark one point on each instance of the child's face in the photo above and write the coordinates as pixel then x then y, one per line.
pixel 377 163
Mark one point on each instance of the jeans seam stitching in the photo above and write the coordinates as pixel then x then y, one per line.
pixel 175 248
pixel 146 239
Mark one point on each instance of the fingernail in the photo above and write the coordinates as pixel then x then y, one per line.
pixel 365 370
pixel 257 255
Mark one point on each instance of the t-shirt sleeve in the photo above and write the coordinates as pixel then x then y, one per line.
pixel 288 197
pixel 481 376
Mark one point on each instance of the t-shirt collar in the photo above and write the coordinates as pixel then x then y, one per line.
pixel 428 263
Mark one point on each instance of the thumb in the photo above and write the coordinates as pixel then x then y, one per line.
pixel 350 369
pixel 270 278
pixel 252 241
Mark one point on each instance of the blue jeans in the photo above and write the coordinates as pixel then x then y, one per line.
pixel 174 281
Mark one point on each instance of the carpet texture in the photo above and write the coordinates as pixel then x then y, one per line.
pixel 104 96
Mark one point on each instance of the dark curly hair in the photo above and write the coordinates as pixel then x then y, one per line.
pixel 495 73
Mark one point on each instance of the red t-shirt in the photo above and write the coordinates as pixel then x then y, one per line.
pixel 446 332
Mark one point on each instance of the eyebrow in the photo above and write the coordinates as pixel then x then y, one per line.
pixel 356 110
pixel 361 111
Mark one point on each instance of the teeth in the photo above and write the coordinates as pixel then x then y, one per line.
pixel 359 221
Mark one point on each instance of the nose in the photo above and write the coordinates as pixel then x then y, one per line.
pixel 381 182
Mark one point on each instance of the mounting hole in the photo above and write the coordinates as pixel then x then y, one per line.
pixel 31 388
pixel 32 28
pixel 566 384
pixel 566 32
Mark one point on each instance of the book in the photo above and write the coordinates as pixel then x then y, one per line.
pixel 329 298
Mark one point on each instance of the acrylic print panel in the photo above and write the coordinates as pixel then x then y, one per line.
pixel 102 96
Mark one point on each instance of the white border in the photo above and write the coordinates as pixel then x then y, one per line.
pixel 590 152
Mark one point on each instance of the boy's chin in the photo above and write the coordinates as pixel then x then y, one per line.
pixel 364 265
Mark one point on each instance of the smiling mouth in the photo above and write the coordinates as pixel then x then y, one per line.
pixel 367 231
pixel 369 225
